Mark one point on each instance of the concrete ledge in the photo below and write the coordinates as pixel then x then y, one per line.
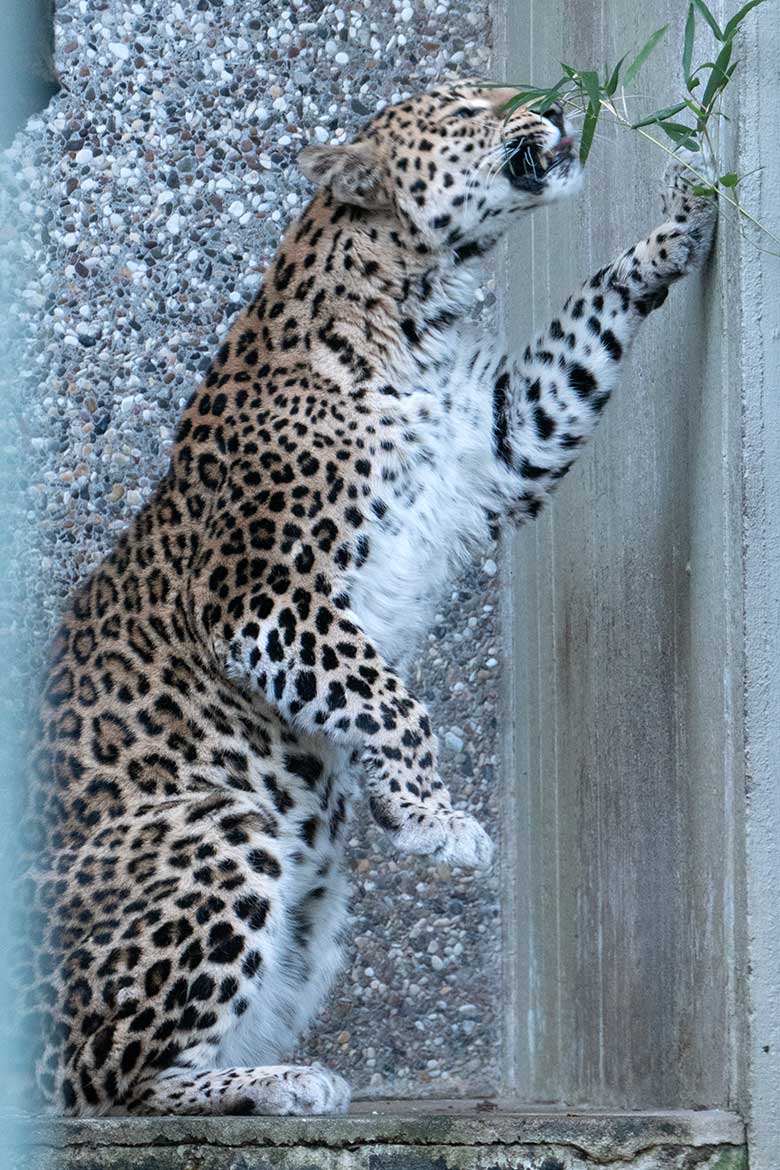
pixel 387 1135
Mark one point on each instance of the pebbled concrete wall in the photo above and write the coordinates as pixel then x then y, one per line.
pixel 154 191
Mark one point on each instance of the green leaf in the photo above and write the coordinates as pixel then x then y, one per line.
pixel 729 180
pixel 522 98
pixel 704 191
pixel 592 86
pixel 693 82
pixel 737 19
pixel 643 54
pixel 535 96
pixel 690 33
pixel 718 77
pixel 680 134
pixel 711 21
pixel 611 84
pixel 588 130
pixel 659 115
pixel 567 69
pixel 559 87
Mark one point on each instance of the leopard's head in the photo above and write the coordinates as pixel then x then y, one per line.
pixel 451 165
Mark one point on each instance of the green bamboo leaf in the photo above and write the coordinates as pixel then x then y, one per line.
pixel 527 91
pixel 678 127
pixel 718 77
pixel 568 70
pixel 737 19
pixel 522 98
pixel 643 54
pixel 612 83
pixel 559 87
pixel 588 130
pixel 692 83
pixel 680 134
pixel 690 33
pixel 544 98
pixel 729 180
pixel 659 115
pixel 711 21
pixel 589 80
pixel 589 85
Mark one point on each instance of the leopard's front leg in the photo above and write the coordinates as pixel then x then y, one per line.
pixel 547 404
pixel 325 676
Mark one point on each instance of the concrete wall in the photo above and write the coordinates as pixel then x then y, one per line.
pixel 626 938
pixel 644 638
pixel 154 191
pixel 643 928
pixel 757 346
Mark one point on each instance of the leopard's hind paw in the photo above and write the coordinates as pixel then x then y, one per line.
pixel 442 833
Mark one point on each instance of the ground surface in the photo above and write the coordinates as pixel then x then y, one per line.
pixel 393 1135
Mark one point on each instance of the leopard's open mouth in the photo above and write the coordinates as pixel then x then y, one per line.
pixel 527 165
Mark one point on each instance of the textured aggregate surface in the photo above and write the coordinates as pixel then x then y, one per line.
pixel 600 1134
pixel 153 193
pixel 440 1135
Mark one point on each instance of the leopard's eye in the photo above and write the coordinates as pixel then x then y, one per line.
pixel 466 112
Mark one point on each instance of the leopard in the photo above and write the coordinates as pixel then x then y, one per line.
pixel 230 681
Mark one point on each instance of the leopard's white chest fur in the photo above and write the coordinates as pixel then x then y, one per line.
pixel 434 509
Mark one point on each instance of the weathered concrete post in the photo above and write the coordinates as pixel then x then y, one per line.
pixel 645 623
pixel 755 336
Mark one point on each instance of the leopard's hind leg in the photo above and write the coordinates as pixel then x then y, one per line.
pixel 284 1089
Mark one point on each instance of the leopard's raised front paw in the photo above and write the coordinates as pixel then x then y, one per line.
pixel 444 834
pixel 685 171
pixel 683 241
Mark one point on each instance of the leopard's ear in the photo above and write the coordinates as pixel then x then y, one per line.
pixel 353 173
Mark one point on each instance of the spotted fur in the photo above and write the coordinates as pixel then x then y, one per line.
pixel 235 666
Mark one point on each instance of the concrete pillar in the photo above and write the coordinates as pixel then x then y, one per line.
pixel 644 617
pixel 756 339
